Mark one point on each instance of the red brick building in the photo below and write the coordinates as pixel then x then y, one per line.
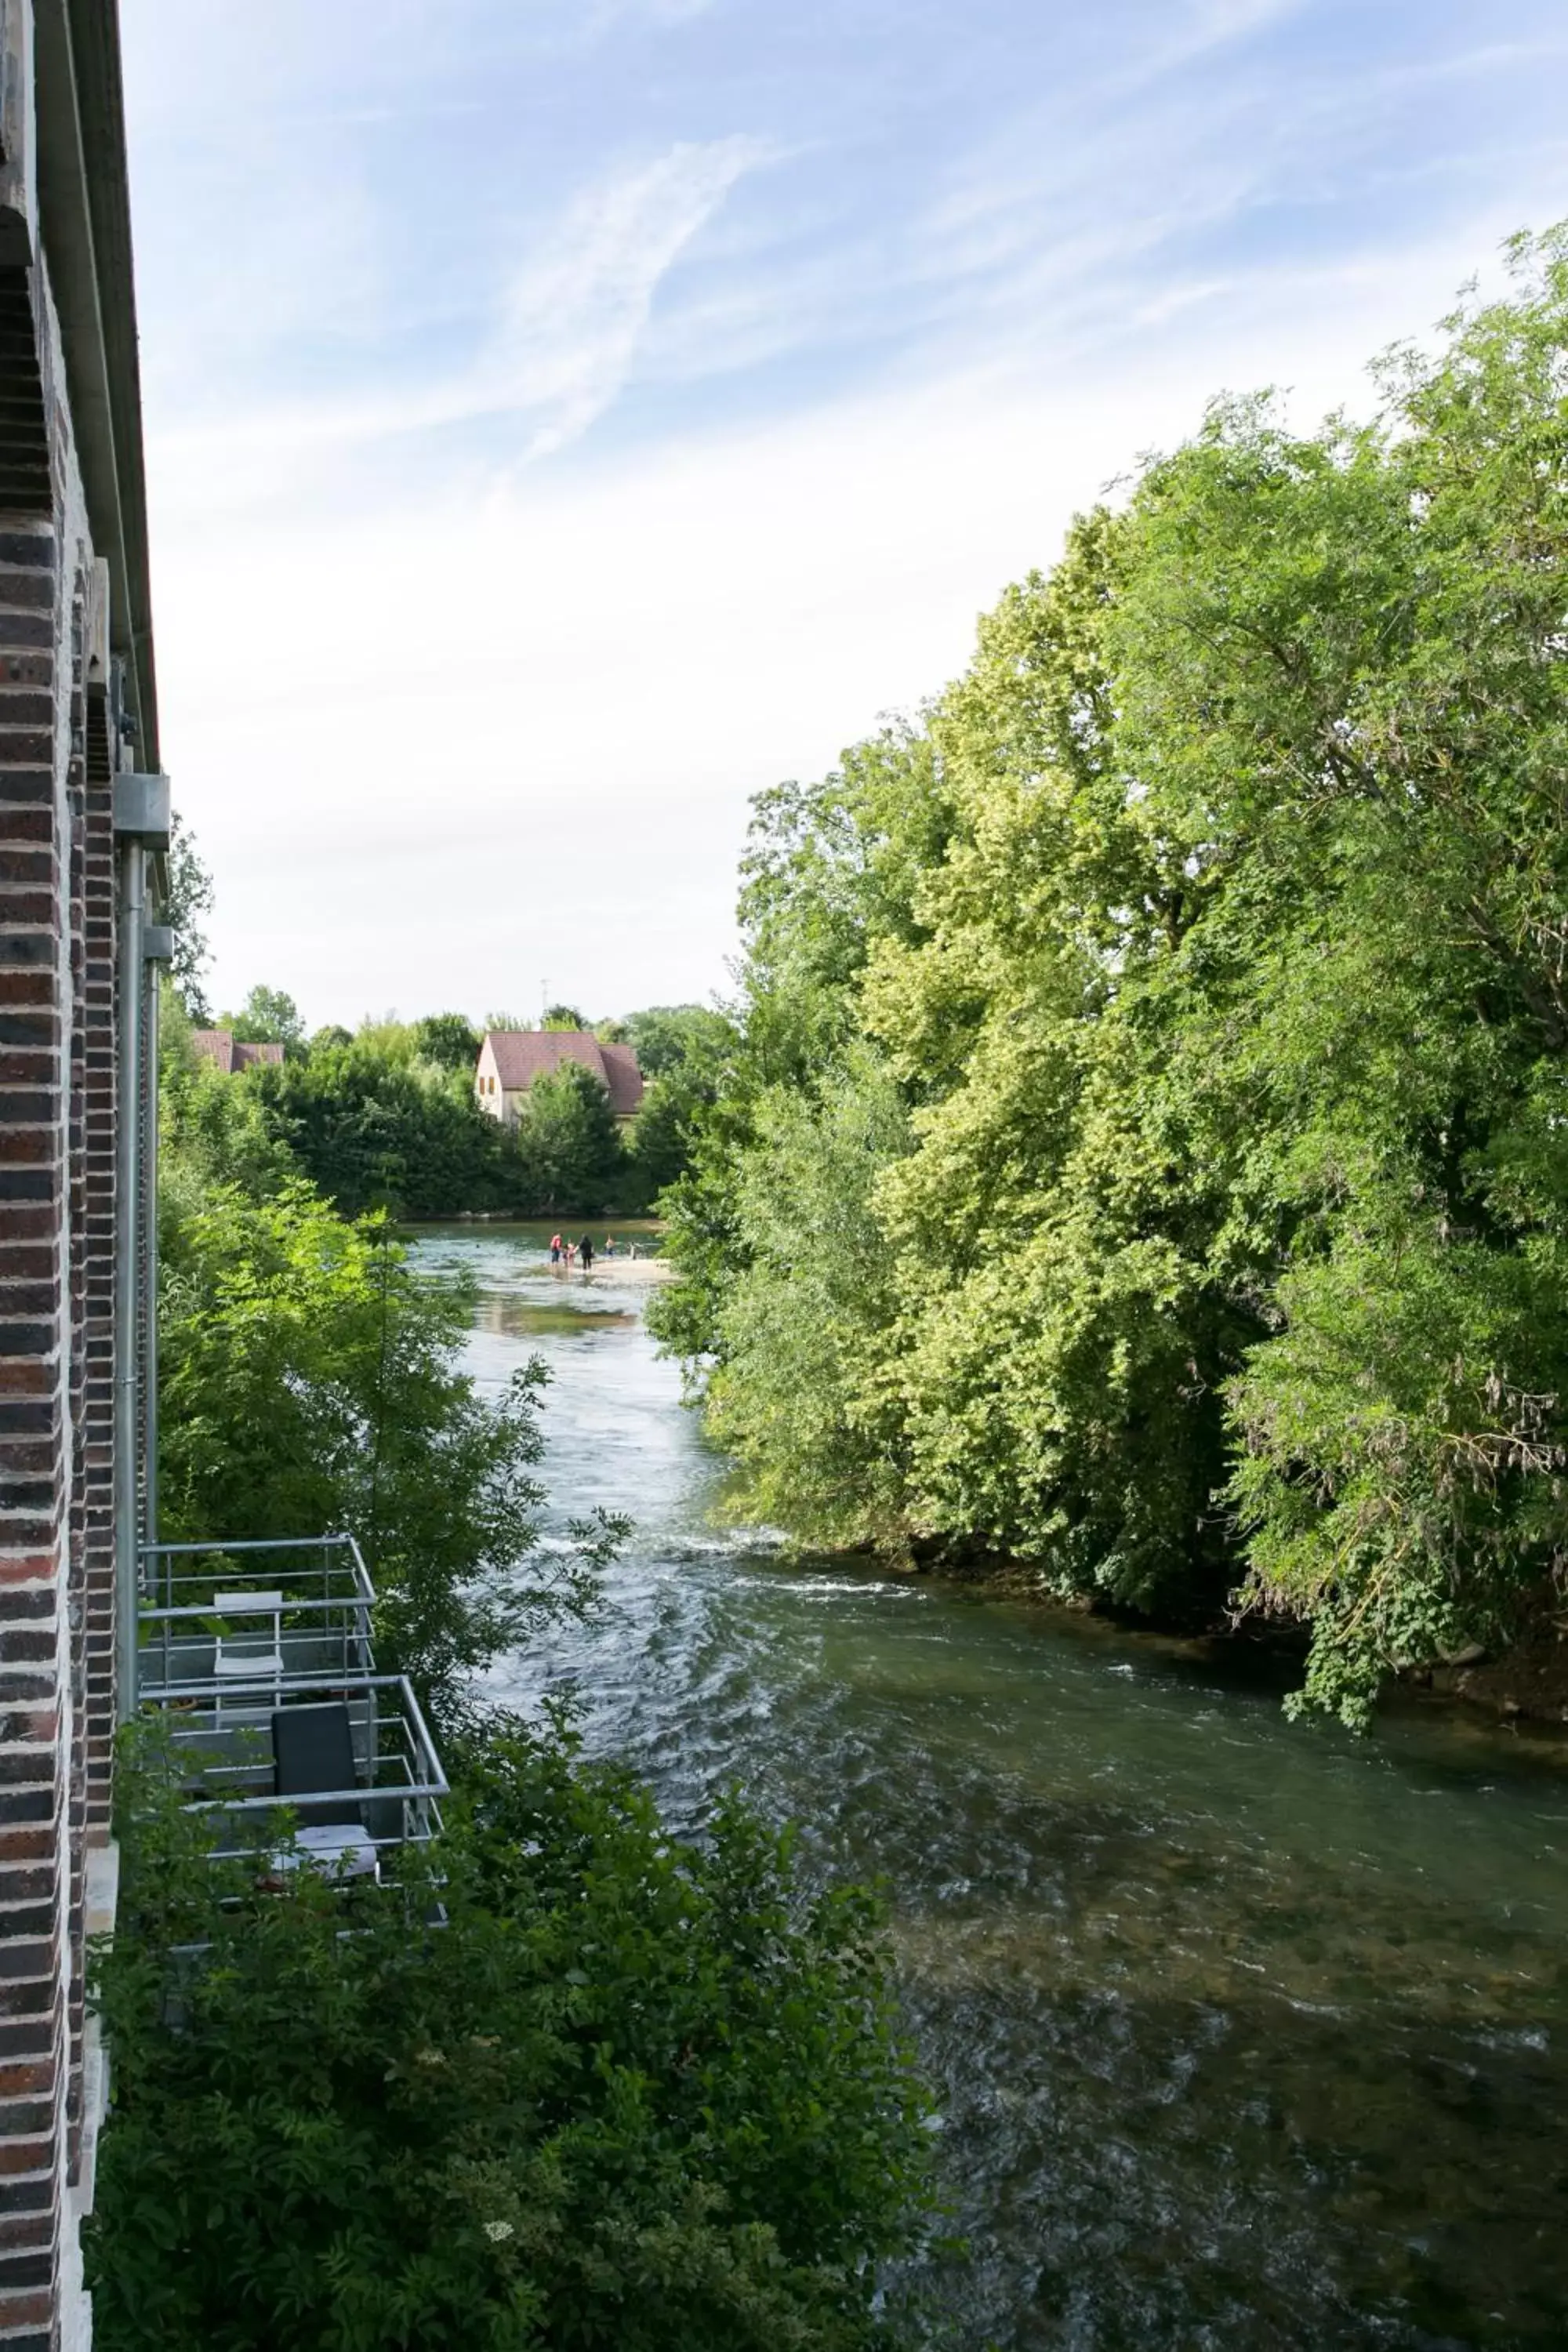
pixel 83 819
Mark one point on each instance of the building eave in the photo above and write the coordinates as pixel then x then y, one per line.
pixel 84 207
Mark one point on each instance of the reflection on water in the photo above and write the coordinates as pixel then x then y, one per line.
pixel 1247 2035
pixel 525 1318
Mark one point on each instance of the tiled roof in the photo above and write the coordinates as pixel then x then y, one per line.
pixel 623 1078
pixel 230 1053
pixel 214 1046
pixel 521 1055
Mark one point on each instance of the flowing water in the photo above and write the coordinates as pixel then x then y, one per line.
pixel 1246 2034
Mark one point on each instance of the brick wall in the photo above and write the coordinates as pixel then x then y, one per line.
pixel 35 1866
pixel 94 1221
pixel 57 1292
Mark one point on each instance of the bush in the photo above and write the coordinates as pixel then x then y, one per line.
pixel 629 2094
pixel 308 1381
pixel 373 1126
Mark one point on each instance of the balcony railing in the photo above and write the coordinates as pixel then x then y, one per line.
pixel 249 1614
pixel 230 1745
pixel 257 1658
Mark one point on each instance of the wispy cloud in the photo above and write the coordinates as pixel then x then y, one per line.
pixel 1191 34
pixel 854 300
pixel 565 328
pixel 575 315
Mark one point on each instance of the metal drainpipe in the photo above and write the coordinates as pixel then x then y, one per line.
pixel 159 944
pixel 127 1250
pixel 140 821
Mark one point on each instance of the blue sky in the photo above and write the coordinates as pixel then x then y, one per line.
pixel 566 419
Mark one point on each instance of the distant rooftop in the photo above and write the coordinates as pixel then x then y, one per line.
pixel 521 1055
pixel 230 1053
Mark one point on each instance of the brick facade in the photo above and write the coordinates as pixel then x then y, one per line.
pixel 72 612
pixel 57 1276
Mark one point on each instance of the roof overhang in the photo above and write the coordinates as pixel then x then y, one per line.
pixel 84 216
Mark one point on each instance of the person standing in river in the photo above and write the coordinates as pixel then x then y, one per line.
pixel 585 1251
pixel 554 1249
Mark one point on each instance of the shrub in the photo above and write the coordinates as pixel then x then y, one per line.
pixel 628 2093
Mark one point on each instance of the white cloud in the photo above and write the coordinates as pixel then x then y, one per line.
pixel 574 316
pixel 494 735
pixel 459 693
pixel 565 334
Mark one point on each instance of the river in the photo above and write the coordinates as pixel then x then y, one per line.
pixel 1246 2034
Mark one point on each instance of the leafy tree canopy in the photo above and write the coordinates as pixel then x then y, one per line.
pixel 269 1015
pixel 567 1134
pixel 309 1381
pixel 189 898
pixel 1208 934
pixel 668 1036
pixel 449 1040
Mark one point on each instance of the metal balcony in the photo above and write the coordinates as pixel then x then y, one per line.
pixel 253 1614
pixel 231 1745
pixel 257 1658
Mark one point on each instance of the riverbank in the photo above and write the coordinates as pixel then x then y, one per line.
pixel 1522 1688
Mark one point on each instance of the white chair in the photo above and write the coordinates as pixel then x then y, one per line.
pixel 253 1655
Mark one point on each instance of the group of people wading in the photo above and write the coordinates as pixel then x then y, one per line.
pixel 563 1253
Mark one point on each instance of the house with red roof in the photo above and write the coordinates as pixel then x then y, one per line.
pixel 228 1053
pixel 510 1060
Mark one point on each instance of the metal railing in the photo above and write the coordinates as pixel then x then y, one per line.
pixel 224 1741
pixel 273 1613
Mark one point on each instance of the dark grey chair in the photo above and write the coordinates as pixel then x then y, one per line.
pixel 313 1749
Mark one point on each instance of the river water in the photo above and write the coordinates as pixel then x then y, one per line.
pixel 1244 2034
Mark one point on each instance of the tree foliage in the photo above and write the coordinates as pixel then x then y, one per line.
pixel 1210 930
pixel 310 1382
pixel 188 899
pixel 386 1118
pixel 567 1135
pixel 268 1016
pixel 684 1053
pixel 375 1124
pixel 449 1040
pixel 564 2083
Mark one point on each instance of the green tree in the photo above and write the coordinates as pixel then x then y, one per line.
pixel 630 2094
pixel 1209 928
pixel 210 1127
pixel 268 1016
pixel 373 1126
pixel 666 1038
pixel 684 1053
pixel 309 1379
pixel 449 1040
pixel 568 1141
pixel 188 899
pixel 800 1393
pixel 562 1017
